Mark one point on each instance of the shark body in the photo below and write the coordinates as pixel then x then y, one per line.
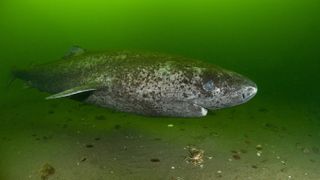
pixel 139 82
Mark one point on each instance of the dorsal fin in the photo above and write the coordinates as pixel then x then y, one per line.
pixel 74 51
pixel 72 91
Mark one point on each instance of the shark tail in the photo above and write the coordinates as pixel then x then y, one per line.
pixel 12 77
pixel 16 74
pixel 19 74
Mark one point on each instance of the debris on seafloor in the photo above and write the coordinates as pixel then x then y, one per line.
pixel 170 125
pixel 83 159
pixel 89 146
pixel 307 150
pixel 259 147
pixel 259 150
pixel 236 156
pixel 155 160
pixel 219 174
pixel 195 156
pixel 176 178
pixel 259 153
pixel 46 171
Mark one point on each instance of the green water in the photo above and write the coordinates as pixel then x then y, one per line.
pixel 275 43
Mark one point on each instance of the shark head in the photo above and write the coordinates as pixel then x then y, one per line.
pixel 219 88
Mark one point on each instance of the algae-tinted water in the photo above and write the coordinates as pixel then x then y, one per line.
pixel 274 136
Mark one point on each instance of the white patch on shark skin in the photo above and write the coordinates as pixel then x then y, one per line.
pixel 217 90
pixel 204 111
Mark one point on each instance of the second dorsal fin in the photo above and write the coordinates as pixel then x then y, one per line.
pixel 74 51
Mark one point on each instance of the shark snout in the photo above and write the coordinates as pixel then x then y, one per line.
pixel 249 92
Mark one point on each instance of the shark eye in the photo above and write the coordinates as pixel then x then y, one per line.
pixel 208 86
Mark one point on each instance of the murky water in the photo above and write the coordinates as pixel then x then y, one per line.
pixel 274 136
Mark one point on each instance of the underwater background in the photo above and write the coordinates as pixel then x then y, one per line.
pixel 274 136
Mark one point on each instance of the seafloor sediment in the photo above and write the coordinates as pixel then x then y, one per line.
pixel 64 139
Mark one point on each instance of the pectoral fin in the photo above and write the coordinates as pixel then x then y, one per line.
pixel 70 92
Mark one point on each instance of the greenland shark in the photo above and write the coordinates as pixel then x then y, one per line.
pixel 145 83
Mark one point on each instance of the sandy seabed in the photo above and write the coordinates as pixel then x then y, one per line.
pixel 65 139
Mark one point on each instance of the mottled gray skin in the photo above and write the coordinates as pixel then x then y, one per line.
pixel 144 83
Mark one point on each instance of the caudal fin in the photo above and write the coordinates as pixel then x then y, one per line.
pixel 17 74
pixel 20 74
pixel 12 77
